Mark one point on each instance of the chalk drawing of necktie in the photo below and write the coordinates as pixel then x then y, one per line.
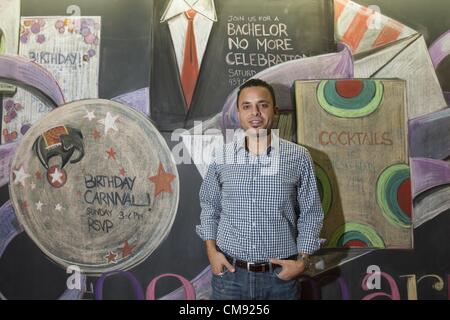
pixel 189 73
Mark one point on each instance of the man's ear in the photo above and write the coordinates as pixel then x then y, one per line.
pixel 275 109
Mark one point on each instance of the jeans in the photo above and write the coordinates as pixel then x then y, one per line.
pixel 247 285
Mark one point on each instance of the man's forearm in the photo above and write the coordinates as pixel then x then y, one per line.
pixel 210 246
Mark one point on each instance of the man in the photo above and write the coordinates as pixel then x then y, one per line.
pixel 261 212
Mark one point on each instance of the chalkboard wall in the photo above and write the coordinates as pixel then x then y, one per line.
pixel 127 63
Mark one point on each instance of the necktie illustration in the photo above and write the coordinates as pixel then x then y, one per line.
pixel 189 73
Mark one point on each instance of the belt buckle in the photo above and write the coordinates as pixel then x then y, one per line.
pixel 249 264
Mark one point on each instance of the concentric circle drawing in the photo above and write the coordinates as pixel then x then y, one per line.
pixel 95 185
pixel 350 98
pixel 357 235
pixel 324 188
pixel 394 195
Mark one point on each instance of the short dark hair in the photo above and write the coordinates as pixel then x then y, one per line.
pixel 256 83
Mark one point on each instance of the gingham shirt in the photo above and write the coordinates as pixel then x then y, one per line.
pixel 261 207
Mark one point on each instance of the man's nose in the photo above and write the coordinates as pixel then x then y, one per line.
pixel 256 111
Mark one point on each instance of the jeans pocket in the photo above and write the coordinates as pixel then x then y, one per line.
pixel 276 272
pixel 223 273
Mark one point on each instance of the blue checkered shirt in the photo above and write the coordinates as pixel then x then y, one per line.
pixel 261 207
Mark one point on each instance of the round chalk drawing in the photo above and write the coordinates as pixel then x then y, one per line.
pixel 95 185
pixel 355 235
pixel 324 188
pixel 350 98
pixel 394 195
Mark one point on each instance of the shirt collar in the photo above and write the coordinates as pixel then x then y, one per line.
pixel 241 143
pixel 176 7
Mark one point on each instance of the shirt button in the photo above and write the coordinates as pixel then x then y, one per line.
pixel 255 178
pixel 253 247
pixel 253 200
pixel 254 224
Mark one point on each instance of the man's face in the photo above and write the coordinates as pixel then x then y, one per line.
pixel 256 110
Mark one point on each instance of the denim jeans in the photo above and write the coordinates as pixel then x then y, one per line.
pixel 247 285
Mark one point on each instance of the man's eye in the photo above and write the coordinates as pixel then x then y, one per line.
pixel 245 107
pixel 264 105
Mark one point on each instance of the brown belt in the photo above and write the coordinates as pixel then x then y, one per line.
pixel 254 266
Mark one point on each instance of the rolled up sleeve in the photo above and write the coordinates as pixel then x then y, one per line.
pixel 311 214
pixel 210 203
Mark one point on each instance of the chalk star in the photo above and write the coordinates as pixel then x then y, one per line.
pixel 109 122
pixel 33 186
pixel 96 134
pixel 89 115
pixel 20 176
pixel 56 176
pixel 58 207
pixel 162 181
pixel 39 205
pixel 127 249
pixel 122 172
pixel 111 153
pixel 111 257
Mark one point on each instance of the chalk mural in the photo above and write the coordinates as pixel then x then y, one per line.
pixel 355 131
pixel 233 41
pixel 101 218
pixel 69 48
pixel 93 183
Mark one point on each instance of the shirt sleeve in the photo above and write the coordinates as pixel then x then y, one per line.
pixel 210 203
pixel 311 214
